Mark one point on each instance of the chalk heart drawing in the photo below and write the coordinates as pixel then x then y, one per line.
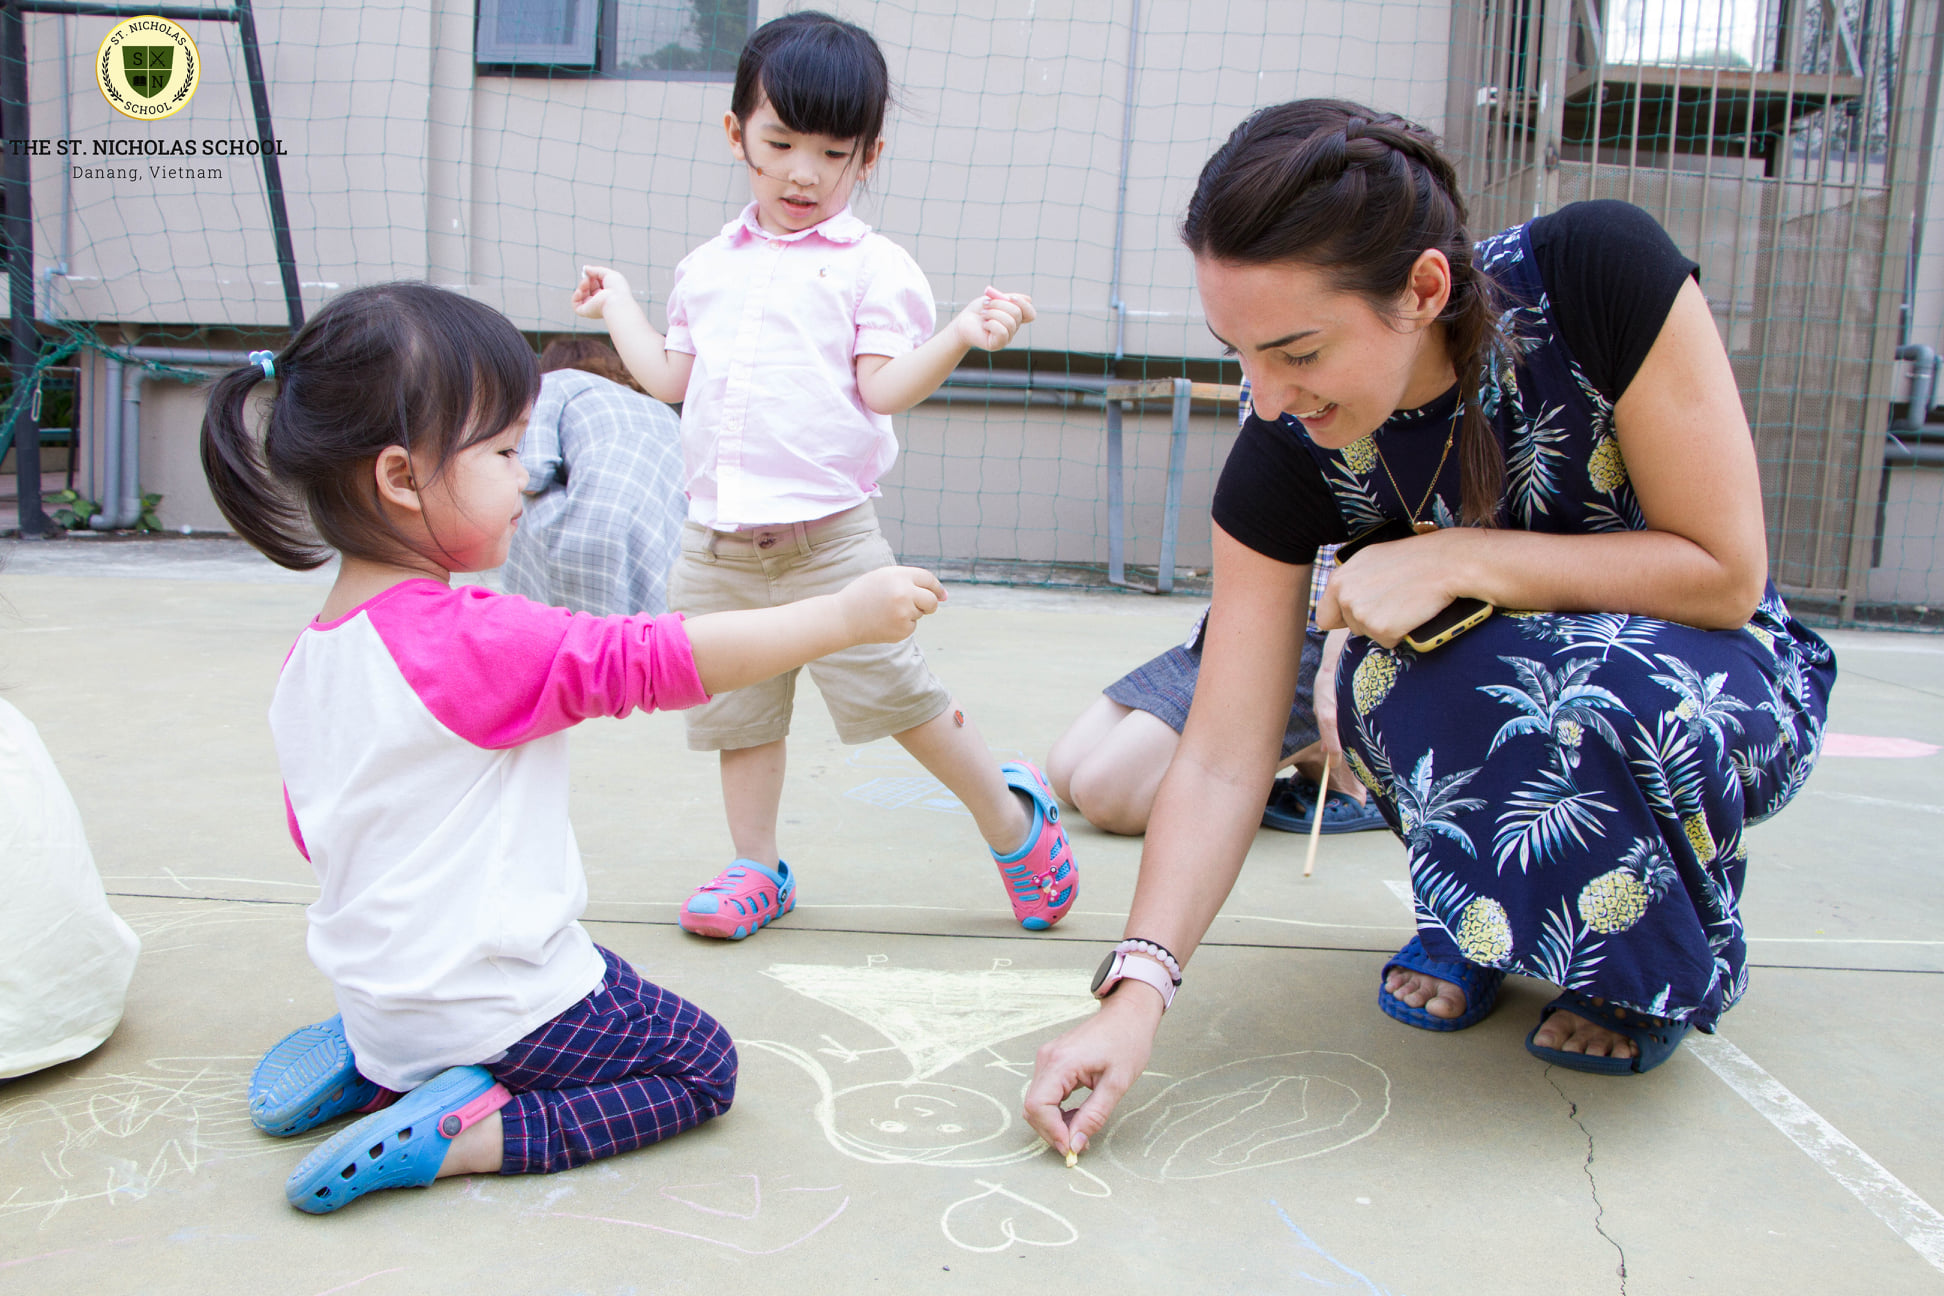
pixel 935 1019
pixel 996 1220
pixel 118 1136
pixel 1255 1112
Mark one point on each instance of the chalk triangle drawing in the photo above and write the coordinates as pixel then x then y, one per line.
pixel 935 1017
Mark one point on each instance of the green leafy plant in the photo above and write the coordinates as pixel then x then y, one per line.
pixel 71 509
pixel 148 521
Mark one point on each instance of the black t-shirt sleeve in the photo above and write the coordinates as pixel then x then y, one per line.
pixel 1271 496
pixel 1611 273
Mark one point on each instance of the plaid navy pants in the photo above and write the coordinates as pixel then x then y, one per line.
pixel 629 1065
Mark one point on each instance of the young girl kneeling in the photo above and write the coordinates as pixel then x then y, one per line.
pixel 420 730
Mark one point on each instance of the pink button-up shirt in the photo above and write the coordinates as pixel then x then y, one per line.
pixel 774 429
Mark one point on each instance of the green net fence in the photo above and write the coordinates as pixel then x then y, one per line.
pixel 1046 146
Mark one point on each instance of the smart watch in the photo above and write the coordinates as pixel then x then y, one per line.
pixel 1128 961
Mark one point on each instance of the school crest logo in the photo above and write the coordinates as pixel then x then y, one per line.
pixel 147 68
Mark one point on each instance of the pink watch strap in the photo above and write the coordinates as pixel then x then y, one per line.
pixel 1138 967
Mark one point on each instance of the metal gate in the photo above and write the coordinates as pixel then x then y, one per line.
pixel 1779 142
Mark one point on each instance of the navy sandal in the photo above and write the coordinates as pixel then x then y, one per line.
pixel 1480 984
pixel 1654 1038
pixel 1292 805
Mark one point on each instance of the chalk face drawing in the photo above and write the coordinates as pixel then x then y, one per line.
pixel 920 1120
pixel 118 1136
pixel 937 1018
pixel 1243 1115
pixel 1255 1112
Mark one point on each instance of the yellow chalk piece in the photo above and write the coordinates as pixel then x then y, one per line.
pixel 1073 1158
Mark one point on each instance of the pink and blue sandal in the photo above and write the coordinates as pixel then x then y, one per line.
pixel 1480 984
pixel 307 1078
pixel 402 1146
pixel 740 900
pixel 1040 877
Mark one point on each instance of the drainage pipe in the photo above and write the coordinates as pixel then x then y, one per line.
pixel 1923 385
pixel 1906 454
pixel 121 504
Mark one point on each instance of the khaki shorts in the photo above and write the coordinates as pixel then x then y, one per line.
pixel 873 690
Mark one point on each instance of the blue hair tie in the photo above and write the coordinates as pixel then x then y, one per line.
pixel 266 361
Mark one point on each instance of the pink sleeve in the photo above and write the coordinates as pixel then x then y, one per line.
pixel 499 670
pixel 678 337
pixel 290 818
pixel 895 310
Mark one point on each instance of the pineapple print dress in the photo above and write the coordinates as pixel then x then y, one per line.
pixel 1572 789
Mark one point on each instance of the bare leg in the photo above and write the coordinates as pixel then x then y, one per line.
pixel 957 757
pixel 1114 785
pixel 752 793
pixel 479 1149
pixel 1071 749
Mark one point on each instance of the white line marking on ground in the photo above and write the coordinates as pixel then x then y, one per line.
pixel 1402 890
pixel 1909 1216
pixel 1077 913
pixel 1831 940
pixel 1852 644
pixel 1857 798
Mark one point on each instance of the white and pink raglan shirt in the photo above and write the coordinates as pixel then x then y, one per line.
pixel 422 738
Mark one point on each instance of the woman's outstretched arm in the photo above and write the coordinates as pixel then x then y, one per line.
pixel 1205 817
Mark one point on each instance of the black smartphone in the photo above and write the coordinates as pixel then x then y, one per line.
pixel 1460 615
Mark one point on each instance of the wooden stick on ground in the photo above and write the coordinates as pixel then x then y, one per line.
pixel 1316 820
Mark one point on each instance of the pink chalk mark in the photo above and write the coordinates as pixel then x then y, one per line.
pixel 1869 746
pixel 49 1255
pixel 756 1196
pixel 842 1206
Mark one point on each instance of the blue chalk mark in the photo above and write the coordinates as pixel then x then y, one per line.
pixel 1311 1244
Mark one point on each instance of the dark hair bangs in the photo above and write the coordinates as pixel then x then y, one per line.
pixel 470 373
pixel 822 76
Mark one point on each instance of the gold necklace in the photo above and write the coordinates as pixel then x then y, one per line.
pixel 1427 526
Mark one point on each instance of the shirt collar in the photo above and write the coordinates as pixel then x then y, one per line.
pixel 844 227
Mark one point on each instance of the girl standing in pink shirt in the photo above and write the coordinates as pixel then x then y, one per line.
pixel 793 336
pixel 421 734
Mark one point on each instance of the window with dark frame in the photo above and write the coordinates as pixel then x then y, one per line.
pixel 673 40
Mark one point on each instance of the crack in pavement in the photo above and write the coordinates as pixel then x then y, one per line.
pixel 1593 1186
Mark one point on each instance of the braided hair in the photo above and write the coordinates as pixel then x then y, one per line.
pixel 1360 195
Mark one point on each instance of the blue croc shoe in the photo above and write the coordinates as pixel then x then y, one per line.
pixel 402 1146
pixel 1654 1038
pixel 1480 984
pixel 307 1078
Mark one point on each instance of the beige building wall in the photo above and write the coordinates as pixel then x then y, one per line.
pixel 1003 165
